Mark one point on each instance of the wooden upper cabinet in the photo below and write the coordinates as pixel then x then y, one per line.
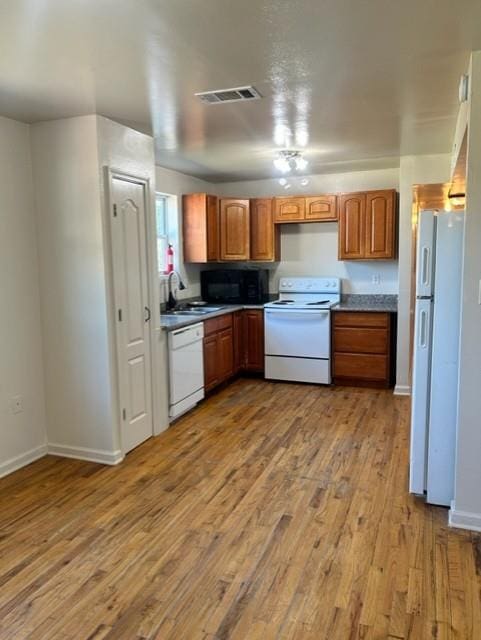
pixel 352 226
pixel 380 225
pixel 234 220
pixel 323 208
pixel 367 223
pixel 289 209
pixel 265 236
pixel 200 227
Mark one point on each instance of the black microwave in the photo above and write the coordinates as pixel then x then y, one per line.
pixel 235 286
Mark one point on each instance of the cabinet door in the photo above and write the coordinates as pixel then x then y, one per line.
pixel 239 353
pixel 289 209
pixel 234 230
pixel 321 208
pixel 211 363
pixel 226 354
pixel 380 225
pixel 265 238
pixel 254 339
pixel 200 227
pixel 212 228
pixel 352 226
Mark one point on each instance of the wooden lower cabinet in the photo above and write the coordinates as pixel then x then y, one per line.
pixel 363 348
pixel 238 331
pixel 233 343
pixel 218 351
pixel 226 353
pixel 253 340
pixel 211 368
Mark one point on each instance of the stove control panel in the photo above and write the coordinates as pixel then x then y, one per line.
pixel 310 285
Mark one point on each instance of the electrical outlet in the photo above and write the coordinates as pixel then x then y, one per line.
pixel 376 278
pixel 16 404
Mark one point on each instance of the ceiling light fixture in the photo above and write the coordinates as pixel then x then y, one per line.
pixel 288 160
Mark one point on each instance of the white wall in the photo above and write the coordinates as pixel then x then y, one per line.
pixel 428 169
pixel 175 184
pixel 310 249
pixel 466 507
pixel 73 293
pixel 22 436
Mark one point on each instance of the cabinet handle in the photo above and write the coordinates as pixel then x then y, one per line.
pixel 148 314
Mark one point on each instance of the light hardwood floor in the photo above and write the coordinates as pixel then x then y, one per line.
pixel 271 511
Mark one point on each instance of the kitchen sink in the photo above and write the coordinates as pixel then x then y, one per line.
pixel 193 312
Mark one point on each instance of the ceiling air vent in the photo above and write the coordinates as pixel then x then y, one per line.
pixel 229 95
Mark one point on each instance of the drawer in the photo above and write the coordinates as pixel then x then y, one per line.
pixel 361 319
pixel 361 366
pixel 361 340
pixel 210 326
pixel 213 325
pixel 224 322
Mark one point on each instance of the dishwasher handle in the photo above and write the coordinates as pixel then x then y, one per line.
pixel 186 335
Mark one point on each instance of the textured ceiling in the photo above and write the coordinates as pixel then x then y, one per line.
pixel 346 80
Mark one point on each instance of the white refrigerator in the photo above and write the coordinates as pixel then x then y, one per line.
pixel 436 355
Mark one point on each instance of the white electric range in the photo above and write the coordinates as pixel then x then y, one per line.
pixel 298 330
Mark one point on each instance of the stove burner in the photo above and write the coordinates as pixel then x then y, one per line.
pixel 283 302
pixel 318 302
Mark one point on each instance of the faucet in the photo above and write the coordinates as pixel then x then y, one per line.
pixel 171 301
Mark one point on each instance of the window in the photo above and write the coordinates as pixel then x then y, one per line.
pixel 167 223
pixel 161 213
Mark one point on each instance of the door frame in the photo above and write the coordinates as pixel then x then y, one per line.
pixel 119 381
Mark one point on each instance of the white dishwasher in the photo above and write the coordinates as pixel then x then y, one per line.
pixel 186 368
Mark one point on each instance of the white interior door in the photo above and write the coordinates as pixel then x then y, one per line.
pixel 131 291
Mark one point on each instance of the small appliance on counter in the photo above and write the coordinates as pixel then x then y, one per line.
pixel 235 286
pixel 298 330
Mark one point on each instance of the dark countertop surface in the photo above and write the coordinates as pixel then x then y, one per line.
pixel 383 303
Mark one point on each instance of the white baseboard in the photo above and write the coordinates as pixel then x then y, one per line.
pixel 80 453
pixel 402 390
pixel 22 460
pixel 464 519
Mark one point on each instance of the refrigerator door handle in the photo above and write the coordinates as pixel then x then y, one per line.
pixel 425 269
pixel 423 330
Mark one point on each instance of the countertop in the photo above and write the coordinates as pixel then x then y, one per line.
pixel 349 302
pixel 382 303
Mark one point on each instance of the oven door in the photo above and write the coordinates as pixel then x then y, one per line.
pixel 298 333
